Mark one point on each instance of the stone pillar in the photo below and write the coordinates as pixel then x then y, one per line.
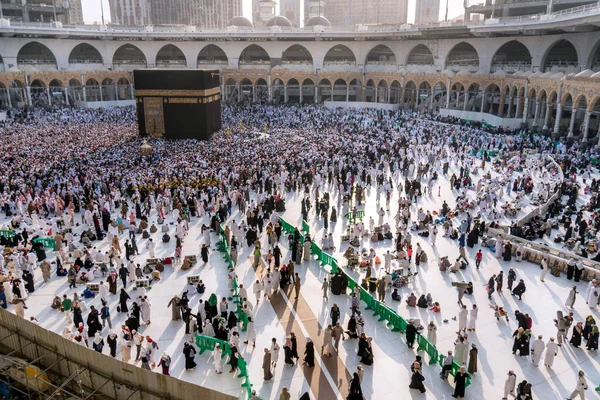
pixel 363 93
pixel 558 117
pixel 547 116
pixel 572 122
pixel 254 93
pixel 8 97
pixel 457 98
pixel 48 95
pixel 347 94
pixel 377 94
pixel 536 113
pixel 509 108
pixel 525 109
pixel 239 93
pixel 301 98
pixel 416 104
pixel 432 96
pixel 586 124
pixel 331 94
pixel 316 94
pixel 285 94
pixel 466 101
pixel 447 99
pixel 28 95
pixel 67 95
pixel 83 90
pixel 389 91
pixel 483 98
pixel 501 106
pixel 131 91
pixel 519 107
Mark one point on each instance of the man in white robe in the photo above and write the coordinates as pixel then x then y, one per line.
pixel 537 348
pixel 551 352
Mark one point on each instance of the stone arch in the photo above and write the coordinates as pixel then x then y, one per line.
pixel 254 54
pixel 594 58
pixel 35 53
pixel 355 90
pixel 85 53
pixel 325 90
pixel 339 54
pixel 395 91
pixel 381 54
pixel 308 91
pixel 462 55
pixel 578 100
pixel 420 55
pixel 129 55
pixel 56 83
pixel 292 82
pixel 511 57
pixel 410 93
pixel 170 56
pixel 561 56
pixel 211 54
pixel 340 89
pixel 297 54
pixel 531 95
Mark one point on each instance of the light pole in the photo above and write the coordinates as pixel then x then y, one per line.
pixel 53 9
pixel 102 10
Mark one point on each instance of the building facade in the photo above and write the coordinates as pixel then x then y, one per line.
pixel 39 10
pixel 129 12
pixel 427 11
pixel 75 12
pixel 367 12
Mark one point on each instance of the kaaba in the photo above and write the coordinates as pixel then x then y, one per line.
pixel 178 104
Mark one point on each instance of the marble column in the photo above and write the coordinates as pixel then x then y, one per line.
pixel 572 122
pixel 586 124
pixel 548 113
pixel 558 117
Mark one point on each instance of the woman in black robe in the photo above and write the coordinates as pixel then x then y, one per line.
pixel 416 381
pixel 16 289
pixel 189 352
pixel 94 324
pixel 507 256
pixel 355 392
pixel 294 346
pixel 367 354
pixel 587 328
pixel 570 270
pixel 516 341
pixel 111 339
pixel 524 343
pixel 576 335
pixel 287 350
pixel 411 334
pixel 460 381
pixel 351 329
pixel 204 253
pixel 309 353
pixel 592 343
pixel 135 310
pixel 232 320
pixel 123 297
pixel 77 316
pixel 233 360
pixel 362 343
pixel 28 278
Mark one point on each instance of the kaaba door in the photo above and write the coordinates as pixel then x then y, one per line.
pixel 154 116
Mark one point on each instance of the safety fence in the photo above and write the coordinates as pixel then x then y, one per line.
pixel 48 243
pixel 7 233
pixel 354 215
pixel 205 343
pixel 394 321
pixel 224 248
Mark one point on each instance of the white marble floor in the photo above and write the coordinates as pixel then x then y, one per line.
pixel 390 372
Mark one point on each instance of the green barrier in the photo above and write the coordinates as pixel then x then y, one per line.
pixel 426 346
pixel 454 370
pixel 353 215
pixel 287 228
pixel 205 343
pixel 491 153
pixel 394 321
pixel 48 243
pixel 305 227
pixel 7 233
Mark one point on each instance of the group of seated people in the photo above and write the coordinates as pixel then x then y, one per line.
pixel 425 301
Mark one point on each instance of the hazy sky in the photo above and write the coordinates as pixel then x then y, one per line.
pixel 92 11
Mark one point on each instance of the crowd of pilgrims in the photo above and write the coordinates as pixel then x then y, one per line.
pixel 74 168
